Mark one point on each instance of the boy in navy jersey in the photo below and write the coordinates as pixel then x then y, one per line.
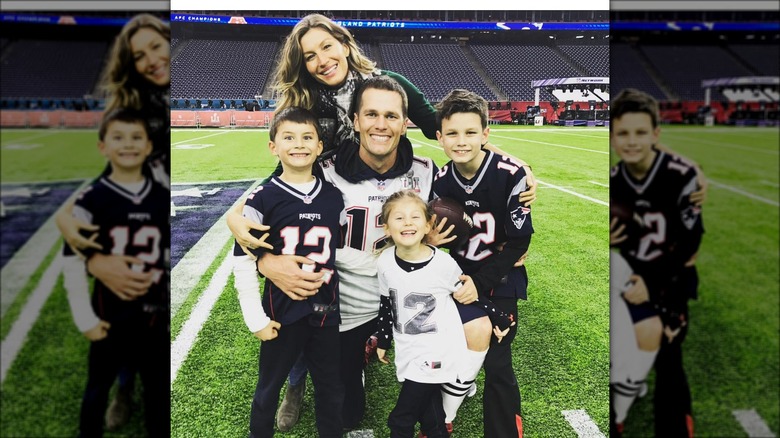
pixel 305 214
pixel 488 186
pixel 659 244
pixel 132 212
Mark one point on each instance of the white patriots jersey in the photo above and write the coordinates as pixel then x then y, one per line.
pixel 429 338
pixel 359 294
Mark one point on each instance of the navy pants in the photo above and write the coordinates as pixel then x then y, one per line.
pixel 418 402
pixel 501 401
pixel 320 347
pixel 146 349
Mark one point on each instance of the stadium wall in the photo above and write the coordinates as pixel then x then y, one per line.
pixel 50 119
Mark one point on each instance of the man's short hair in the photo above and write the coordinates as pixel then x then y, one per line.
pixel 294 114
pixel 382 82
pixel 127 115
pixel 632 100
pixel 461 101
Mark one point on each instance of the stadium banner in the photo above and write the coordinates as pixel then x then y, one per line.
pixel 50 119
pixel 13 119
pixel 396 24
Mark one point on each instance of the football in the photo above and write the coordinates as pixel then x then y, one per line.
pixel 453 211
pixel 625 215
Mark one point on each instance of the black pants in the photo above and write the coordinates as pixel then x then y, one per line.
pixel 501 401
pixel 672 400
pixel 418 402
pixel 320 346
pixel 353 348
pixel 140 347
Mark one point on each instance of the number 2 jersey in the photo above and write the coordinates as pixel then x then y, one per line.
pixel 670 226
pixel 491 199
pixel 305 224
pixel 131 224
pixel 429 338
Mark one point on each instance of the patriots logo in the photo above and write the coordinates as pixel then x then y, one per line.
pixel 518 216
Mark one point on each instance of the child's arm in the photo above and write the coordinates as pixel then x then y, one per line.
pixel 77 288
pixel 385 328
pixel 248 287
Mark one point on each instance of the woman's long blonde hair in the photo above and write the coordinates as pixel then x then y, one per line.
pixel 121 81
pixel 292 81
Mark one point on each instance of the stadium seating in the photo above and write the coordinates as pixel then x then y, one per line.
pixel 435 68
pixel 221 69
pixel 513 67
pixel 683 67
pixel 762 58
pixel 595 58
pixel 56 69
pixel 629 72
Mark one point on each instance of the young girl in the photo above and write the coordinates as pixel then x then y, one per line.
pixel 416 282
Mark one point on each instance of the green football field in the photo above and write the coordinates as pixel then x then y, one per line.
pixel 561 353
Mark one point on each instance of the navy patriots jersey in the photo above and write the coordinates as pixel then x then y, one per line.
pixel 304 224
pixel 490 198
pixel 669 226
pixel 133 225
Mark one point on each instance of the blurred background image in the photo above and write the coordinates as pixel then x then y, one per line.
pixel 52 102
pixel 717 79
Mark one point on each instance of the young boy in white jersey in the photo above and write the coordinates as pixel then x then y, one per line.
pixel 305 214
pixel 487 185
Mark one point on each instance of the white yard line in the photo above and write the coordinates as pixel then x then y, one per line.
pixel 17 272
pixel 28 138
pixel 599 184
pixel 525 140
pixel 558 131
pixel 572 192
pixel 364 433
pixel 189 140
pixel 753 424
pixel 181 346
pixel 187 273
pixel 718 143
pixel 744 193
pixel 582 424
pixel 57 181
pixel 13 343
pixel 770 183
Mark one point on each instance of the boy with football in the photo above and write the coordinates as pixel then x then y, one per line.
pixel 487 185
pixel 660 243
pixel 305 214
pixel 131 211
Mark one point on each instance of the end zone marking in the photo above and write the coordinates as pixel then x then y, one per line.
pixel 752 423
pixel 581 422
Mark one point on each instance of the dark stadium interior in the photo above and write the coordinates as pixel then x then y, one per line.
pixel 219 66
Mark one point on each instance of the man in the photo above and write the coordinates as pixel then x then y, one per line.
pixel 659 238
